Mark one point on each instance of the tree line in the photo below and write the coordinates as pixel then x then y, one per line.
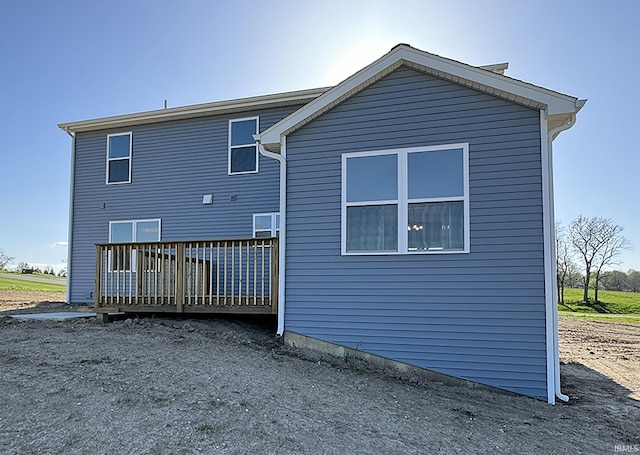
pixel 5 260
pixel 585 250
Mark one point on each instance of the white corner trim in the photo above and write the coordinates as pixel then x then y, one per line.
pixel 549 258
pixel 70 227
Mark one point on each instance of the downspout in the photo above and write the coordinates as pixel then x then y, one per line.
pixel 281 158
pixel 552 274
pixel 72 185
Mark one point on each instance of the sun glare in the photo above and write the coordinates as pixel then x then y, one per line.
pixel 353 57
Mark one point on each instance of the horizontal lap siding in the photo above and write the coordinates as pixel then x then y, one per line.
pixel 173 165
pixel 479 316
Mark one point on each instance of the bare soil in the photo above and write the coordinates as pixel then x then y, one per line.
pixel 225 385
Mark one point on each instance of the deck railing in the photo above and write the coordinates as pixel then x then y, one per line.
pixel 232 275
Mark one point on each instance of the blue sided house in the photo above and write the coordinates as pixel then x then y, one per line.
pixel 406 213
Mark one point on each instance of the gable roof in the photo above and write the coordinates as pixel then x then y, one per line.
pixel 488 79
pixel 196 110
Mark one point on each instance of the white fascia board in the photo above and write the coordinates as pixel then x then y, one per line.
pixel 197 110
pixel 475 77
pixel 556 102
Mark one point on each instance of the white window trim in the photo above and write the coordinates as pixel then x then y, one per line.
pixel 130 134
pixel 133 235
pixel 274 228
pixel 403 200
pixel 134 223
pixel 230 147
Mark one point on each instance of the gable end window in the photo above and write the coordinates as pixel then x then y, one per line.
pixel 119 158
pixel 243 149
pixel 406 201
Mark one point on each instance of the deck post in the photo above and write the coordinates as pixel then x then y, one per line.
pixel 275 262
pixel 180 277
pixel 140 267
pixel 102 318
pixel 97 291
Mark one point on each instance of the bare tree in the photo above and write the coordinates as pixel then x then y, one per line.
pixel 598 242
pixel 615 242
pixel 564 260
pixel 4 259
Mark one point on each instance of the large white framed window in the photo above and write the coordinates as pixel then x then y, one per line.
pixel 266 224
pixel 406 201
pixel 127 231
pixel 243 149
pixel 119 148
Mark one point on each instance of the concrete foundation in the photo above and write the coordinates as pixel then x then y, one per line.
pixel 319 349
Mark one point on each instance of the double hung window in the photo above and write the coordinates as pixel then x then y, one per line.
pixel 119 158
pixel 243 149
pixel 266 224
pixel 406 201
pixel 131 231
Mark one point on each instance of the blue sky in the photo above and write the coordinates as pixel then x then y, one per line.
pixel 74 60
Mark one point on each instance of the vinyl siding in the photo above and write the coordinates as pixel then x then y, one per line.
pixel 173 165
pixel 478 316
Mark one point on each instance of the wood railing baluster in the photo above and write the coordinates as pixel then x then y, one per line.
pixel 212 275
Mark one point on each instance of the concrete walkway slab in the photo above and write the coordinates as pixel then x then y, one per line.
pixel 55 316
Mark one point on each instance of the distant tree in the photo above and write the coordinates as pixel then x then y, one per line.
pixel 614 280
pixel 564 260
pixel 575 278
pixel 598 242
pixel 23 265
pixel 5 259
pixel 634 280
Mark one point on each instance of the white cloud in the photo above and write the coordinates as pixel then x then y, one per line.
pixel 60 243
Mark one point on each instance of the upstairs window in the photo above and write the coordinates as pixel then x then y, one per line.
pixel 406 201
pixel 119 158
pixel 243 149
pixel 266 224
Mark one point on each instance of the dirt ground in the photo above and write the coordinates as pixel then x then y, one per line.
pixel 224 385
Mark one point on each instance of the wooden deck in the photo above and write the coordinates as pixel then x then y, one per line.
pixel 208 276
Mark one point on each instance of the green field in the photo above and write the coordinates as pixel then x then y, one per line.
pixel 611 302
pixel 613 306
pixel 12 284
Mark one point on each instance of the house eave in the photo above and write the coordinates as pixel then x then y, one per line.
pixel 487 79
pixel 194 111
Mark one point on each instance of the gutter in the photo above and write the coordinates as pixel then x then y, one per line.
pixel 553 349
pixel 72 185
pixel 281 158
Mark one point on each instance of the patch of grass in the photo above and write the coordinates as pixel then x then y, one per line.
pixel 627 319
pixel 611 302
pixel 13 284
